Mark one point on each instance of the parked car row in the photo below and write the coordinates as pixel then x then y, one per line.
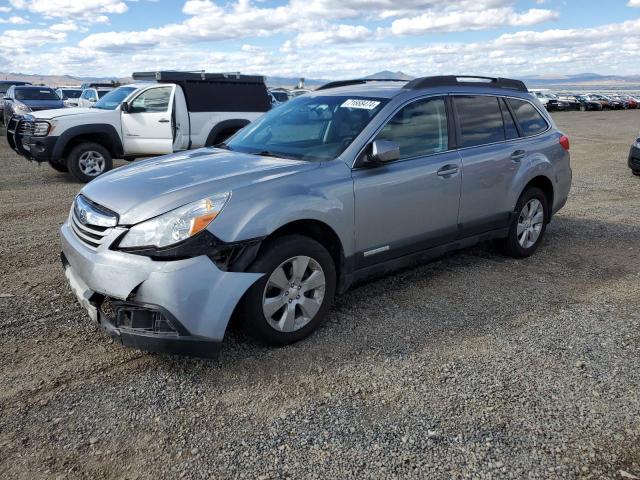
pixel 586 102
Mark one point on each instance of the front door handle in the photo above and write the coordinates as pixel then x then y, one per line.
pixel 163 120
pixel 518 155
pixel 447 170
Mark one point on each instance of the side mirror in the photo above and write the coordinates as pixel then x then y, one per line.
pixel 125 107
pixel 383 151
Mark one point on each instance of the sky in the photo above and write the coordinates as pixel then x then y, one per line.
pixel 321 39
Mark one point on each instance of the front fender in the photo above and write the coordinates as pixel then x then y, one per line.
pixel 105 129
pixel 324 195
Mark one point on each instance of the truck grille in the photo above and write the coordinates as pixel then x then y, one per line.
pixel 25 128
pixel 91 223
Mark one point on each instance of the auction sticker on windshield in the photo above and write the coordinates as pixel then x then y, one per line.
pixel 359 103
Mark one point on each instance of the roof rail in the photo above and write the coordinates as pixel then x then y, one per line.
pixel 356 81
pixel 466 81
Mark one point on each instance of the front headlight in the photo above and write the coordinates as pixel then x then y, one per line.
pixel 21 108
pixel 176 225
pixel 41 128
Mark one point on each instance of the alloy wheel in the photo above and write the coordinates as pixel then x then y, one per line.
pixel 91 163
pixel 293 294
pixel 530 222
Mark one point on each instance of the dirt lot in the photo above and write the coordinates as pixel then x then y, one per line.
pixel 475 366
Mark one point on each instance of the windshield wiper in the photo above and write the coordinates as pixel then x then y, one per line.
pixel 222 145
pixel 269 153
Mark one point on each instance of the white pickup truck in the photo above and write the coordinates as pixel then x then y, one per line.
pixel 163 112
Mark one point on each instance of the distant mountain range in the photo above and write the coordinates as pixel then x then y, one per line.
pixel 582 80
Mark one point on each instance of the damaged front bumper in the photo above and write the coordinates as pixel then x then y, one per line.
pixel 176 306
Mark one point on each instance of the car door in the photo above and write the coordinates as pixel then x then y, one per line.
pixel 410 204
pixel 490 162
pixel 146 125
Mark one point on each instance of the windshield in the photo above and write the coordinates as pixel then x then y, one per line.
pixel 68 93
pixel 308 128
pixel 36 94
pixel 112 99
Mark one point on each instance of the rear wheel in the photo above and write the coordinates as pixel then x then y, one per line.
pixel 528 225
pixel 293 297
pixel 89 160
pixel 58 166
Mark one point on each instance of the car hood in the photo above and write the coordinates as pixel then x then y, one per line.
pixel 65 112
pixel 42 104
pixel 148 188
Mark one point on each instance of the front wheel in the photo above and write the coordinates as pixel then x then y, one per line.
pixel 528 225
pixel 89 160
pixel 293 297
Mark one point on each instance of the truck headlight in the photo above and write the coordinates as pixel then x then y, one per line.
pixel 176 225
pixel 41 128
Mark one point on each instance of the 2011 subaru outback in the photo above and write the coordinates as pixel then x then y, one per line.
pixel 355 179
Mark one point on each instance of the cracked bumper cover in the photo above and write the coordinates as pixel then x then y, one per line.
pixel 194 293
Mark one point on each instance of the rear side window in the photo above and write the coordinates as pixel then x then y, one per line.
pixel 419 128
pixel 530 120
pixel 480 120
pixel 510 129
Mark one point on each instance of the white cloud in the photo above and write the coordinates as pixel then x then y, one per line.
pixel 91 11
pixel 634 4
pixel 5 9
pixel 469 20
pixel 15 20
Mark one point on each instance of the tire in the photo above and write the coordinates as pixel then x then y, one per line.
pixel 308 310
pixel 83 156
pixel 514 245
pixel 636 172
pixel 58 167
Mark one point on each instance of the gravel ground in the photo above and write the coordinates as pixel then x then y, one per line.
pixel 474 366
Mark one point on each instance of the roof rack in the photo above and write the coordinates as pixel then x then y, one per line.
pixel 466 81
pixel 357 81
pixel 175 76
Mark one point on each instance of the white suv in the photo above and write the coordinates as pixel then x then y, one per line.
pixel 91 95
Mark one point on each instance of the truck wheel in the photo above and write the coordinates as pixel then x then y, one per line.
pixel 636 172
pixel 89 160
pixel 528 225
pixel 58 167
pixel 293 297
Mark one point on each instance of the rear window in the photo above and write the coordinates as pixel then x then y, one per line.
pixel 530 120
pixel 480 120
pixel 36 94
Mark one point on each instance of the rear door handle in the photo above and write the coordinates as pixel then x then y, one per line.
pixel 163 120
pixel 447 170
pixel 518 155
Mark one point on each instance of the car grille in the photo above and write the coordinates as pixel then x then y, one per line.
pixel 91 235
pixel 25 128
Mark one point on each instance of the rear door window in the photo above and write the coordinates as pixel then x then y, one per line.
pixel 529 118
pixel 480 120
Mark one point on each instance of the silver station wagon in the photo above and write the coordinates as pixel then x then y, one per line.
pixel 353 180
